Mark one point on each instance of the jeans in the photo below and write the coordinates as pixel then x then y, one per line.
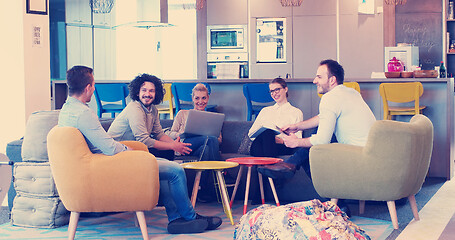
pixel 173 191
pixel 210 151
pixel 168 154
pixel 301 157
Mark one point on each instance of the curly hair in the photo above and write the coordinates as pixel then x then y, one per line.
pixel 136 84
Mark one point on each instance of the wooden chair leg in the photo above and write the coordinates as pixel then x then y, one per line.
pixel 74 219
pixel 393 213
pixel 142 224
pixel 361 206
pixel 415 211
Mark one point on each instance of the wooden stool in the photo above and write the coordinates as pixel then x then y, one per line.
pixel 249 162
pixel 218 167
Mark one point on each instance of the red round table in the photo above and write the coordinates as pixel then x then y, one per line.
pixel 249 162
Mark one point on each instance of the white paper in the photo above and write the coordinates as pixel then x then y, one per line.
pixel 366 6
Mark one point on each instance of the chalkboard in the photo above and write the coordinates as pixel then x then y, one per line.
pixel 423 29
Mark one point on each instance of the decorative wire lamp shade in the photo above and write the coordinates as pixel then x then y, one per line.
pixel 395 2
pixel 101 6
pixel 291 3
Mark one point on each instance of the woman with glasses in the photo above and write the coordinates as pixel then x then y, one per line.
pixel 268 143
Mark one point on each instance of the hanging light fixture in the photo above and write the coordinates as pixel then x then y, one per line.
pixel 291 3
pixel 101 6
pixel 395 2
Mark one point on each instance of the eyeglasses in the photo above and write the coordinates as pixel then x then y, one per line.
pixel 276 90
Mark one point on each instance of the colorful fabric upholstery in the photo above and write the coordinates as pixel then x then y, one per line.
pixel 302 220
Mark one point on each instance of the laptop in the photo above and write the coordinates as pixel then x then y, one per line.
pixel 203 123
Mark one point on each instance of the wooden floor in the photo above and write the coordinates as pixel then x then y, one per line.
pixel 437 217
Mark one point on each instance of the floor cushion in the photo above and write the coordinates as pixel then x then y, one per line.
pixel 302 220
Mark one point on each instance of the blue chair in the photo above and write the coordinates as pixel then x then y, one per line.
pixel 107 97
pixel 256 93
pixel 183 96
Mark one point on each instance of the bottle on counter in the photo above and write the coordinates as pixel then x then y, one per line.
pixel 442 70
pixel 451 10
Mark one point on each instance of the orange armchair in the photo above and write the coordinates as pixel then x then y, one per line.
pixel 87 182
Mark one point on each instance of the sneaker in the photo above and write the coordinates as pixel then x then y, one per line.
pixel 213 222
pixel 279 170
pixel 182 226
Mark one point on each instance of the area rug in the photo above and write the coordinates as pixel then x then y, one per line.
pixel 121 226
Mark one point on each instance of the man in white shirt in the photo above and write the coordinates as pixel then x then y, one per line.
pixel 342 112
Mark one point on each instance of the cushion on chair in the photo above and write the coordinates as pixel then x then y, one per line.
pixel 301 220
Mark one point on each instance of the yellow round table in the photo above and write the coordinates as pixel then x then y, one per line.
pixel 218 167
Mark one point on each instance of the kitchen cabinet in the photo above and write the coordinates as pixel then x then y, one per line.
pixel 104 54
pixel 269 8
pixel 235 12
pixel 78 12
pixel 79 46
pixel 449 40
pixel 105 20
pixel 308 49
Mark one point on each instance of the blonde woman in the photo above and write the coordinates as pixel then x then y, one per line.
pixel 207 148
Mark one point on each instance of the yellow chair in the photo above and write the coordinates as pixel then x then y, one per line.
pixel 401 93
pixel 87 182
pixel 163 109
pixel 354 85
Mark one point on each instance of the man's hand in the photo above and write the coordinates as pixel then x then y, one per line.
pixel 291 128
pixel 181 147
pixel 291 141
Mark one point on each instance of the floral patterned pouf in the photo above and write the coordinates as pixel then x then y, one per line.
pixel 302 220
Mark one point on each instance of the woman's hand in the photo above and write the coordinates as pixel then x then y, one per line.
pixel 181 147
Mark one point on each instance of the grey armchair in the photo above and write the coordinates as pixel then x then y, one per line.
pixel 391 166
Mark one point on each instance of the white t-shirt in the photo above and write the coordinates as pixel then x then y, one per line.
pixel 277 115
pixel 344 112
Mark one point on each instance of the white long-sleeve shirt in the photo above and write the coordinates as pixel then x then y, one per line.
pixel 344 112
pixel 277 115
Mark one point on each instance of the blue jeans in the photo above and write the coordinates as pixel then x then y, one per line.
pixel 173 191
pixel 210 151
pixel 301 158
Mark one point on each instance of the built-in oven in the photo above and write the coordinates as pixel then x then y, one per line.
pixel 227 65
pixel 227 38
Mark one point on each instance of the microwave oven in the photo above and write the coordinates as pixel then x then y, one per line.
pixel 227 38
